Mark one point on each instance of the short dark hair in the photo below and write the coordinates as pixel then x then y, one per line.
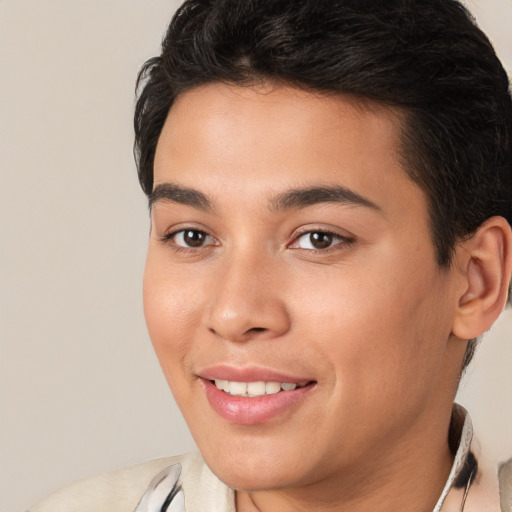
pixel 426 58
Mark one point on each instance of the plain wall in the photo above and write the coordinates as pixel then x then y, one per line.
pixel 81 391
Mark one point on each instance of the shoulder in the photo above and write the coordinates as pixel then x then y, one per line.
pixel 116 491
pixel 190 485
pixel 505 478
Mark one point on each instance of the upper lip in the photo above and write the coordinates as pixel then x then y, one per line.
pixel 249 374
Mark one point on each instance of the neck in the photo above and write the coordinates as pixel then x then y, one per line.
pixel 413 472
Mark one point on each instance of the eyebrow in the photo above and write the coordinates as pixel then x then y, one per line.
pixel 292 199
pixel 304 197
pixel 182 195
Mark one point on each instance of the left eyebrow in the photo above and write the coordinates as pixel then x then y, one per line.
pixel 304 197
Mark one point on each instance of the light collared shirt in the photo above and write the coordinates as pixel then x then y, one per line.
pixel 186 484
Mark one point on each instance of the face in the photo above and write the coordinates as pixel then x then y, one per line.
pixel 290 263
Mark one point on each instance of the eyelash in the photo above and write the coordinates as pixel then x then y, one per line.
pixel 168 239
pixel 343 241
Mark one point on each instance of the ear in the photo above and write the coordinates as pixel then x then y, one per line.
pixel 485 261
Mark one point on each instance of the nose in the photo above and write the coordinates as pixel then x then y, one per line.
pixel 248 301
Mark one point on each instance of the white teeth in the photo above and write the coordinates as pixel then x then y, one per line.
pixel 238 388
pixel 272 387
pixel 253 389
pixel 222 384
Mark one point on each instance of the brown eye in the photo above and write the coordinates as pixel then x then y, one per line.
pixel 192 238
pixel 319 240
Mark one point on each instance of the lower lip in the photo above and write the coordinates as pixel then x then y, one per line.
pixel 252 410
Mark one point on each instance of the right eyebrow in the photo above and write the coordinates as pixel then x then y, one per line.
pixel 178 194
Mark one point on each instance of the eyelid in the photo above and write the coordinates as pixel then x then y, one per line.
pixel 346 239
pixel 168 236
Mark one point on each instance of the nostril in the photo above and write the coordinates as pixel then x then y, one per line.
pixel 257 329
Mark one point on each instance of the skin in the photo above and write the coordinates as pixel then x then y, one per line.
pixel 368 318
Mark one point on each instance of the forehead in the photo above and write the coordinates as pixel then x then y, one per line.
pixel 270 138
pixel 216 111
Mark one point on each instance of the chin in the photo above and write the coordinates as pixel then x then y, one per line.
pixel 257 470
pixel 253 478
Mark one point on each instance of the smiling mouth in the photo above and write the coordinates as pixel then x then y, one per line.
pixel 256 389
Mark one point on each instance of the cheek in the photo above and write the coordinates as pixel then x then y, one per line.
pixel 371 325
pixel 172 315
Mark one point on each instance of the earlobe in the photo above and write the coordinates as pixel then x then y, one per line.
pixel 486 268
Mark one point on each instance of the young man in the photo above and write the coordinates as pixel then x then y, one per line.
pixel 330 187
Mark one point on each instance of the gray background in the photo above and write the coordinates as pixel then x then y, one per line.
pixel 80 390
